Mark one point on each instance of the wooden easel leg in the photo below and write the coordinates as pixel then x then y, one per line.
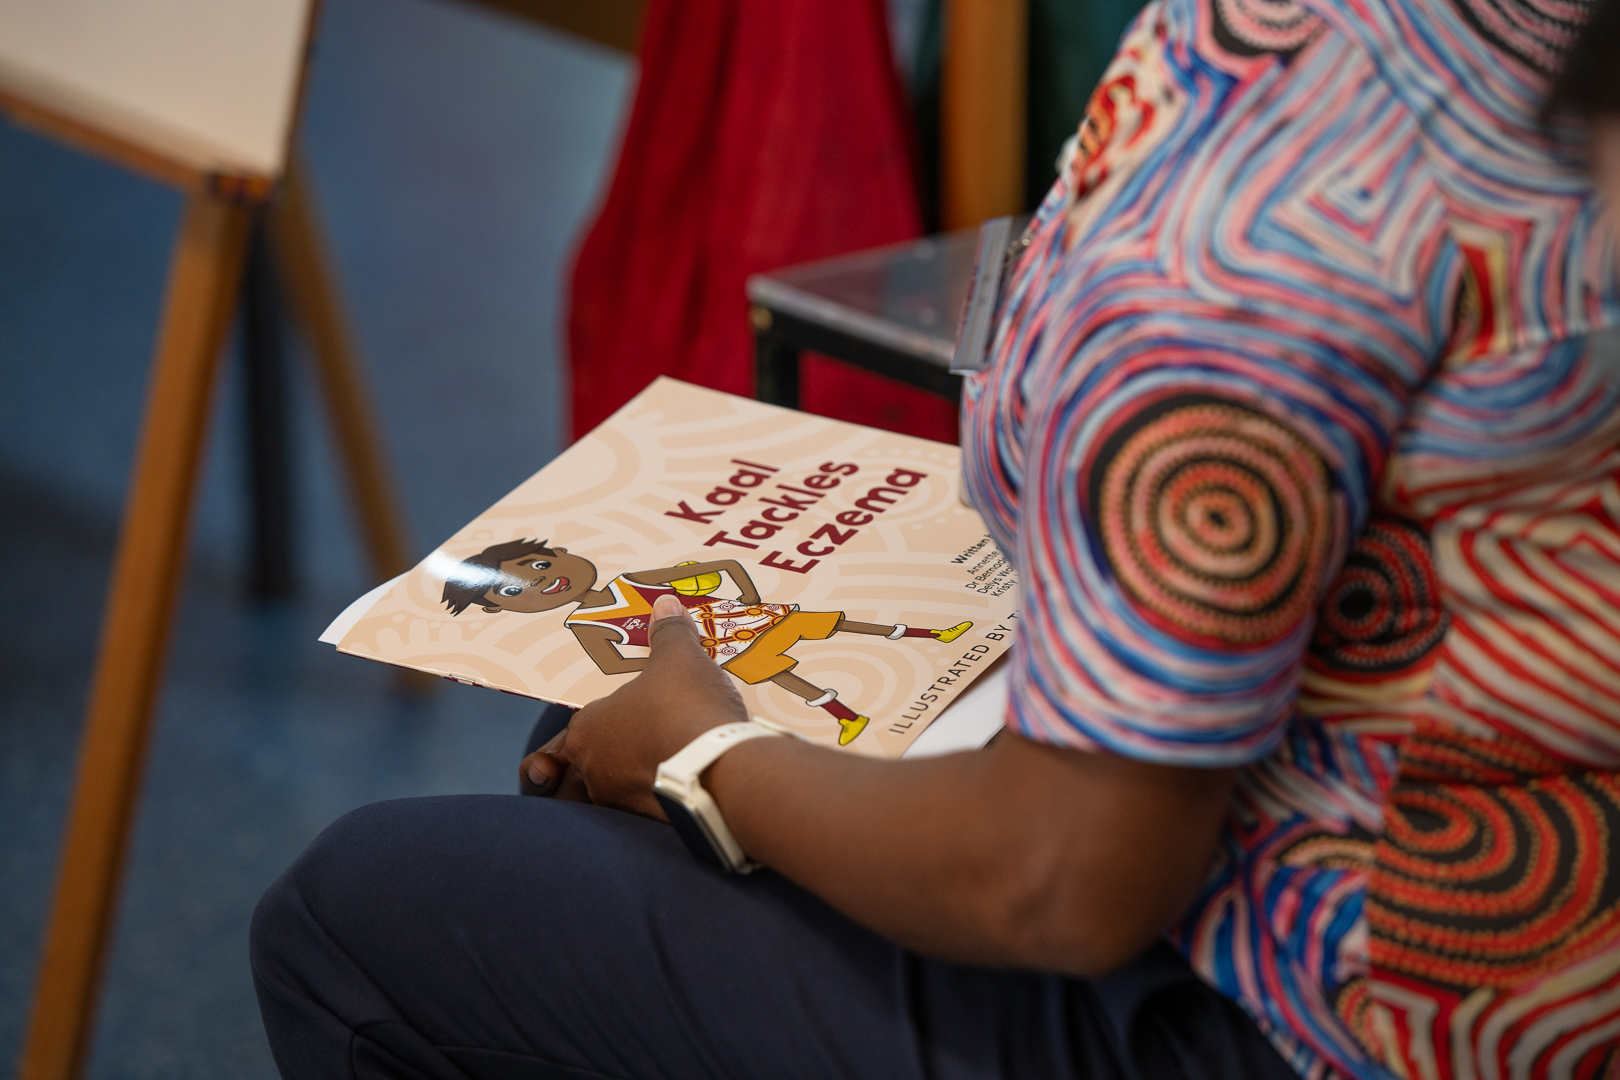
pixel 202 289
pixel 311 288
pixel 273 562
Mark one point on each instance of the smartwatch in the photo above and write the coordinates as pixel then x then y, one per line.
pixel 691 809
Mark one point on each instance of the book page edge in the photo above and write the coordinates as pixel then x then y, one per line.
pixel 352 614
pixel 968 722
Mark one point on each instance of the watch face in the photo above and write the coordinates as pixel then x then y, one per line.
pixel 691 831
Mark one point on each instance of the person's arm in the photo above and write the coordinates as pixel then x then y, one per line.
pixel 1018 855
pixel 1606 166
pixel 1181 431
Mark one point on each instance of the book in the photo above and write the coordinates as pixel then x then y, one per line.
pixel 832 569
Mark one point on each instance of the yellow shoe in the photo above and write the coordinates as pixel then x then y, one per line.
pixel 851 728
pixel 953 633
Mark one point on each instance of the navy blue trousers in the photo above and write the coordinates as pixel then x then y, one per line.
pixel 497 937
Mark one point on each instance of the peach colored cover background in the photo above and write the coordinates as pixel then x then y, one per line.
pixel 606 498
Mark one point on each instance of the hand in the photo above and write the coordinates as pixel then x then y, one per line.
pixel 611 749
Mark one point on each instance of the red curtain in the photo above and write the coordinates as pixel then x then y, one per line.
pixel 763 134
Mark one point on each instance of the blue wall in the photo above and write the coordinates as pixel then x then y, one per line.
pixel 457 153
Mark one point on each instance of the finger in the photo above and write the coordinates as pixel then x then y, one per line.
pixel 672 636
pixel 572 788
pixel 540 774
pixel 679 666
pixel 557 745
pixel 669 612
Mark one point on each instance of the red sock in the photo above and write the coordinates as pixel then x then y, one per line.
pixel 840 710
pixel 917 631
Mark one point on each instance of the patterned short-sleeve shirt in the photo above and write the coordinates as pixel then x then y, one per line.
pixel 1302 423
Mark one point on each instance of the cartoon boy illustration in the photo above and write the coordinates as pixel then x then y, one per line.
pixel 746 636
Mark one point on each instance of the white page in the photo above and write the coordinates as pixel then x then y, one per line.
pixel 970 721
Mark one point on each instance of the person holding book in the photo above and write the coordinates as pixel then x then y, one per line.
pixel 748 637
pixel 1302 425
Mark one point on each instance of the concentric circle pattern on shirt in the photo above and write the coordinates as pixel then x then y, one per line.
pixel 1333 231
pixel 1215 516
pixel 1383 614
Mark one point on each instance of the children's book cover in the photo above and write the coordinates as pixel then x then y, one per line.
pixel 831 568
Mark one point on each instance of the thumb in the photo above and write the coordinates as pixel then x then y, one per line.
pixel 667 607
pixel 680 667
pixel 672 635
pixel 669 617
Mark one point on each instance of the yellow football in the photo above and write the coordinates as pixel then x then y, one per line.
pixel 700 585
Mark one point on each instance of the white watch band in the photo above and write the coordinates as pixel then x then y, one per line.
pixel 679 779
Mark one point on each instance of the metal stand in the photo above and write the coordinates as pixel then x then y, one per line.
pixel 780 340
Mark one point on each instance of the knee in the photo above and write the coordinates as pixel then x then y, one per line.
pixel 275 920
pixel 304 907
pixel 377 877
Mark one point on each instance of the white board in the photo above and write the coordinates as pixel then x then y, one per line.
pixel 210 83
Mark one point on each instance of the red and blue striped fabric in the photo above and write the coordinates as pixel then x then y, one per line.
pixel 1302 423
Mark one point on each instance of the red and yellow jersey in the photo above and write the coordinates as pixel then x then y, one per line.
pixel 727 627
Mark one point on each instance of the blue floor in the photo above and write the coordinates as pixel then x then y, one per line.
pixel 264 737
pixel 456 154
